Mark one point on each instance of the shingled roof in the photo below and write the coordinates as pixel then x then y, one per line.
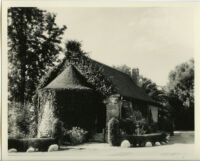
pixel 125 86
pixel 69 78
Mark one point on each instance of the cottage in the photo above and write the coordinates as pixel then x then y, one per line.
pixel 71 99
pixel 129 96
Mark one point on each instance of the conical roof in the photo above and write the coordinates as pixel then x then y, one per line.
pixel 69 78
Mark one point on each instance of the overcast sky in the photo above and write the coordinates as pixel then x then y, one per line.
pixel 154 40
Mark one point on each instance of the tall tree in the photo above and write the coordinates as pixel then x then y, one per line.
pixel 75 55
pixel 181 94
pixel 33 47
pixel 157 93
pixel 181 83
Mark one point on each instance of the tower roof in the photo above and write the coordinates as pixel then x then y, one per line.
pixel 69 78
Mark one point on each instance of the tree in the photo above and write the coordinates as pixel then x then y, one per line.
pixel 160 95
pixel 74 55
pixel 181 94
pixel 93 73
pixel 124 68
pixel 157 93
pixel 33 47
pixel 181 83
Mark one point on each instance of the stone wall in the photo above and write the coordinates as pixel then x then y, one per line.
pixel 118 107
pixel 113 107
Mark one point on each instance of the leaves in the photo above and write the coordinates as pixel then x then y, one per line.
pixel 33 47
pixel 123 68
pixel 181 83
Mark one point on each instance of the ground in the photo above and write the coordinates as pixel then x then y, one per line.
pixel 180 146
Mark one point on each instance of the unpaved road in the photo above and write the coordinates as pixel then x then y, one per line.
pixel 180 146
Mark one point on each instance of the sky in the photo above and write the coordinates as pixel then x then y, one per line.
pixel 153 39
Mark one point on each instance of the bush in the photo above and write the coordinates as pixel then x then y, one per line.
pixel 152 128
pixel 22 145
pixel 127 125
pixel 57 131
pixel 114 137
pixel 76 135
pixel 18 120
pixel 134 124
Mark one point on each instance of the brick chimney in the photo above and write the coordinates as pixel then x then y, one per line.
pixel 135 75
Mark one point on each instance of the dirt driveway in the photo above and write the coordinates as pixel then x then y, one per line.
pixel 180 146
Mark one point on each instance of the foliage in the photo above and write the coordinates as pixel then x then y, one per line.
pixel 22 145
pixel 74 55
pixel 77 135
pixel 123 68
pixel 135 124
pixel 181 83
pixel 181 94
pixel 33 48
pixel 91 71
pixel 127 125
pixel 18 121
pixel 157 93
pixel 114 136
pixel 46 115
pixel 141 127
pixel 58 130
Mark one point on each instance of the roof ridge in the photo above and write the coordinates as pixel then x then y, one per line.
pixel 110 67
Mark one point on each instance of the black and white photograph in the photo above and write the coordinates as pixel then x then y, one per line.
pixel 99 81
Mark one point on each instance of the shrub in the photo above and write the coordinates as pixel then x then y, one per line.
pixel 16 133
pixel 135 124
pixel 22 145
pixel 141 127
pixel 114 137
pixel 127 125
pixel 152 128
pixel 18 120
pixel 77 135
pixel 57 131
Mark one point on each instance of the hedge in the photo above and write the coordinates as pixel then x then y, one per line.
pixel 22 145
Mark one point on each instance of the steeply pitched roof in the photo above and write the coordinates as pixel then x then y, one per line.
pixel 69 78
pixel 123 83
